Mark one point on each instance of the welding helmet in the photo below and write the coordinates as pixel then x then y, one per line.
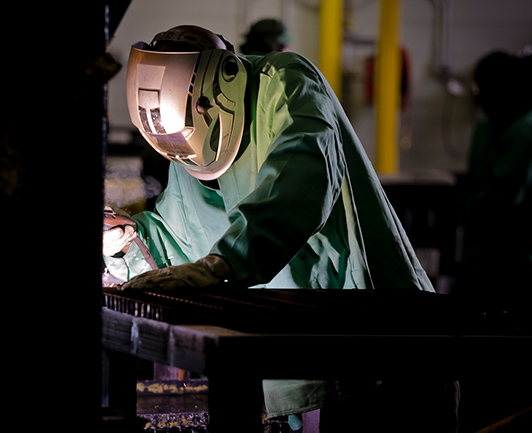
pixel 188 103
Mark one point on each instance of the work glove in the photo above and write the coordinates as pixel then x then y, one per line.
pixel 208 271
pixel 119 231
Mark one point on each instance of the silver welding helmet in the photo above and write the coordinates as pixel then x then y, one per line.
pixel 189 106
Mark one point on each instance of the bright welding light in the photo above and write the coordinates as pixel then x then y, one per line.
pixel 173 119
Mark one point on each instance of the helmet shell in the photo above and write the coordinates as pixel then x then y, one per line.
pixel 189 106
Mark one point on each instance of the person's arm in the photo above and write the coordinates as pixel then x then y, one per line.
pixel 299 181
pixel 152 245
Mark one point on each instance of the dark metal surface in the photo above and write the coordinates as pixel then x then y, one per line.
pixel 310 311
pixel 309 334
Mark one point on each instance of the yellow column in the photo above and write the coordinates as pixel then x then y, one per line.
pixel 331 40
pixel 387 87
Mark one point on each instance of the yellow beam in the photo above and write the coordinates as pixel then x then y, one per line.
pixel 387 87
pixel 331 40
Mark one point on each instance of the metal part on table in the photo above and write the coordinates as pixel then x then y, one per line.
pixel 293 310
pixel 321 311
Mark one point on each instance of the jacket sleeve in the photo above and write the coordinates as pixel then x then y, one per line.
pixel 298 182
pixel 158 238
pixel 176 231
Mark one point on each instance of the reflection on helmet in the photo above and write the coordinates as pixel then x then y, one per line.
pixel 189 106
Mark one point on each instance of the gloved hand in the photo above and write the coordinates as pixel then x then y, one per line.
pixel 119 231
pixel 205 272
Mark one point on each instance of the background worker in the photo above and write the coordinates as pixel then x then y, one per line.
pixel 266 36
pixel 497 231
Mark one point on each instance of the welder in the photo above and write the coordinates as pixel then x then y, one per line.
pixel 270 186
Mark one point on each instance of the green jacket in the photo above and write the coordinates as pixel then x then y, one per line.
pixel 498 210
pixel 301 206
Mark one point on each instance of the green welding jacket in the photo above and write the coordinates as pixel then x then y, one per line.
pixel 301 207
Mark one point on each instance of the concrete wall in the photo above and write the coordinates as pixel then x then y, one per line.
pixel 436 127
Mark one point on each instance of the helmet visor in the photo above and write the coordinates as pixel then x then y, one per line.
pixel 187 106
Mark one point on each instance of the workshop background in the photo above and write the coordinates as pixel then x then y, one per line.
pixel 442 41
pixel 424 156
pixel 64 126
